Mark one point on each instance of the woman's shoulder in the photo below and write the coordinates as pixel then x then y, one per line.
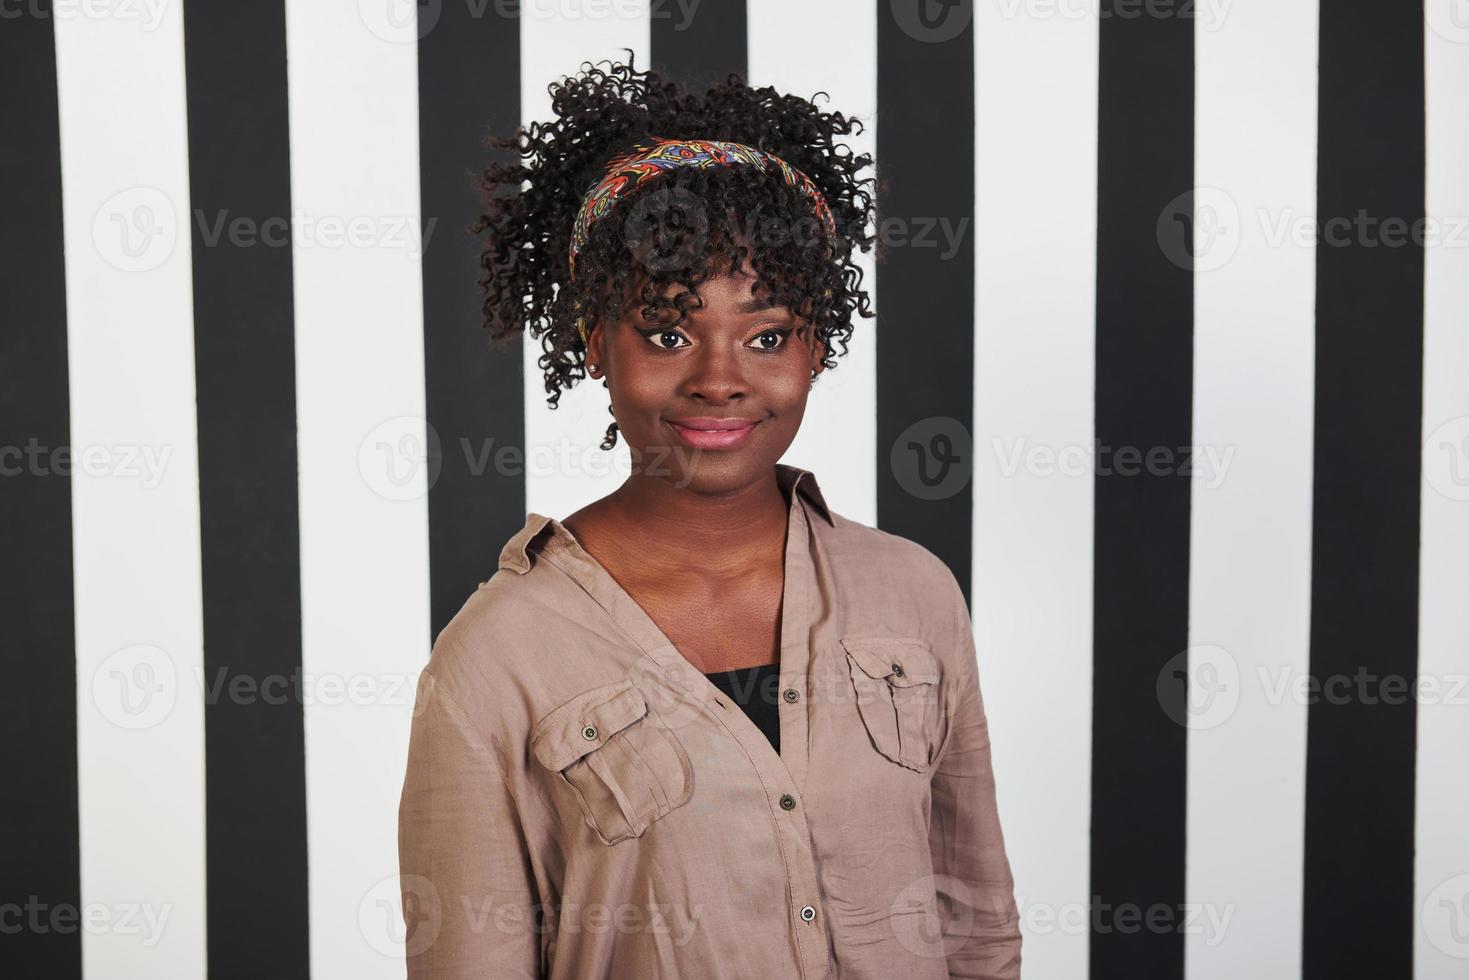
pixel 516 607
pixel 503 654
pixel 899 561
pixel 524 606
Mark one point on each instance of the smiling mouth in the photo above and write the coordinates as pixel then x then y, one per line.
pixel 713 433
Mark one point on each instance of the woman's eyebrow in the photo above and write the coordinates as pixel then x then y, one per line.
pixel 755 305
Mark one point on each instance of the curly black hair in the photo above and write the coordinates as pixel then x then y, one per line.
pixel 687 226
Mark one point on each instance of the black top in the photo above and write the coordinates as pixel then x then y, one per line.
pixel 757 690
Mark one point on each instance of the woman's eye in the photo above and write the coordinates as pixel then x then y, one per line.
pixel 764 340
pixel 661 337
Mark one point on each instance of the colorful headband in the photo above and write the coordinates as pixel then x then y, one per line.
pixel 629 172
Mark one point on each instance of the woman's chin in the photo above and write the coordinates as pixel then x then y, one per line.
pixel 705 470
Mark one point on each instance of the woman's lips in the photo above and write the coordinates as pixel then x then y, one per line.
pixel 712 433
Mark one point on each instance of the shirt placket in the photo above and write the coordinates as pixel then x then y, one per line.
pixel 782 775
pixel 789 767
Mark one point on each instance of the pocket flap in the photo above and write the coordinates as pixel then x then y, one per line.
pixel 902 661
pixel 585 723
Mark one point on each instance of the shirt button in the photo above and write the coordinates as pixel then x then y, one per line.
pixel 792 695
pixel 898 669
pixel 807 913
pixel 589 732
pixel 787 802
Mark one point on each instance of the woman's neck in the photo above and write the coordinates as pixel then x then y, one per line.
pixel 674 529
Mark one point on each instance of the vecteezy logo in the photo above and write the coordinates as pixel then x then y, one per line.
pixel 401 916
pixel 400 21
pixel 1199 688
pixel 1449 19
pixel 1445 917
pixel 920 910
pixel 393 455
pixel 932 21
pixel 135 688
pixel 135 230
pixel 933 459
pixel 666 228
pixel 1199 229
pixel 1446 458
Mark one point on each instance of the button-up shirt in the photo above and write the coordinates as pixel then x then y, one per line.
pixel 582 802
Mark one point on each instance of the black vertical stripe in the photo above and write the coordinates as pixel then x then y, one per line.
pixel 39 856
pixel 468 89
pixel 698 44
pixel 1144 403
pixel 925 288
pixel 1358 904
pixel 244 343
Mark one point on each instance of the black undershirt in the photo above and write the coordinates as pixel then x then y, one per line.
pixel 756 690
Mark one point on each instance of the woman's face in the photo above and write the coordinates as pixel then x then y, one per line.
pixel 734 364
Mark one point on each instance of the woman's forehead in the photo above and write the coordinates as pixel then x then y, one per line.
pixel 742 290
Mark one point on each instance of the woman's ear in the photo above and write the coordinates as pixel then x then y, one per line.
pixel 594 350
pixel 818 351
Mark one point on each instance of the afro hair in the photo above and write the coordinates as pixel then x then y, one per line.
pixel 687 225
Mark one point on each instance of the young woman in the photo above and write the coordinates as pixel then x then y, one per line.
pixel 703 727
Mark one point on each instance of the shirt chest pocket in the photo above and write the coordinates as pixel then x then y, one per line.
pixel 896 681
pixel 624 766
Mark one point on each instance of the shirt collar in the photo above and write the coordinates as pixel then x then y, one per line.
pixel 805 481
pixel 515 555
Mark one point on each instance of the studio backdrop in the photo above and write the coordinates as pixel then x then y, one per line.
pixel 1171 366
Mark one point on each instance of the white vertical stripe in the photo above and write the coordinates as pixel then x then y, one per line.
pixel 1035 167
pixel 1441 877
pixel 1249 578
pixel 363 484
pixel 564 468
pixel 135 503
pixel 838 436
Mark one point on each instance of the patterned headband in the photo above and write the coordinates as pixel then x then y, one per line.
pixel 631 171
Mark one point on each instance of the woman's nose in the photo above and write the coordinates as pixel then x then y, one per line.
pixel 716 372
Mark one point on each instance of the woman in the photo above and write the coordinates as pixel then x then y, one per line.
pixel 704 727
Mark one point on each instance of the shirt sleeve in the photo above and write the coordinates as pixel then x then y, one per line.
pixel 469 895
pixel 980 922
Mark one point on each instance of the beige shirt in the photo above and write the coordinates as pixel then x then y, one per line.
pixel 582 802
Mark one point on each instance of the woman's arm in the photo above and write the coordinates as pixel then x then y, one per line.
pixel 469 895
pixel 980 922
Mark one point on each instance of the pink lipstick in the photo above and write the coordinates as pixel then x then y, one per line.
pixel 712 433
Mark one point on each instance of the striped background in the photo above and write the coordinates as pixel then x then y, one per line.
pixel 1212 491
